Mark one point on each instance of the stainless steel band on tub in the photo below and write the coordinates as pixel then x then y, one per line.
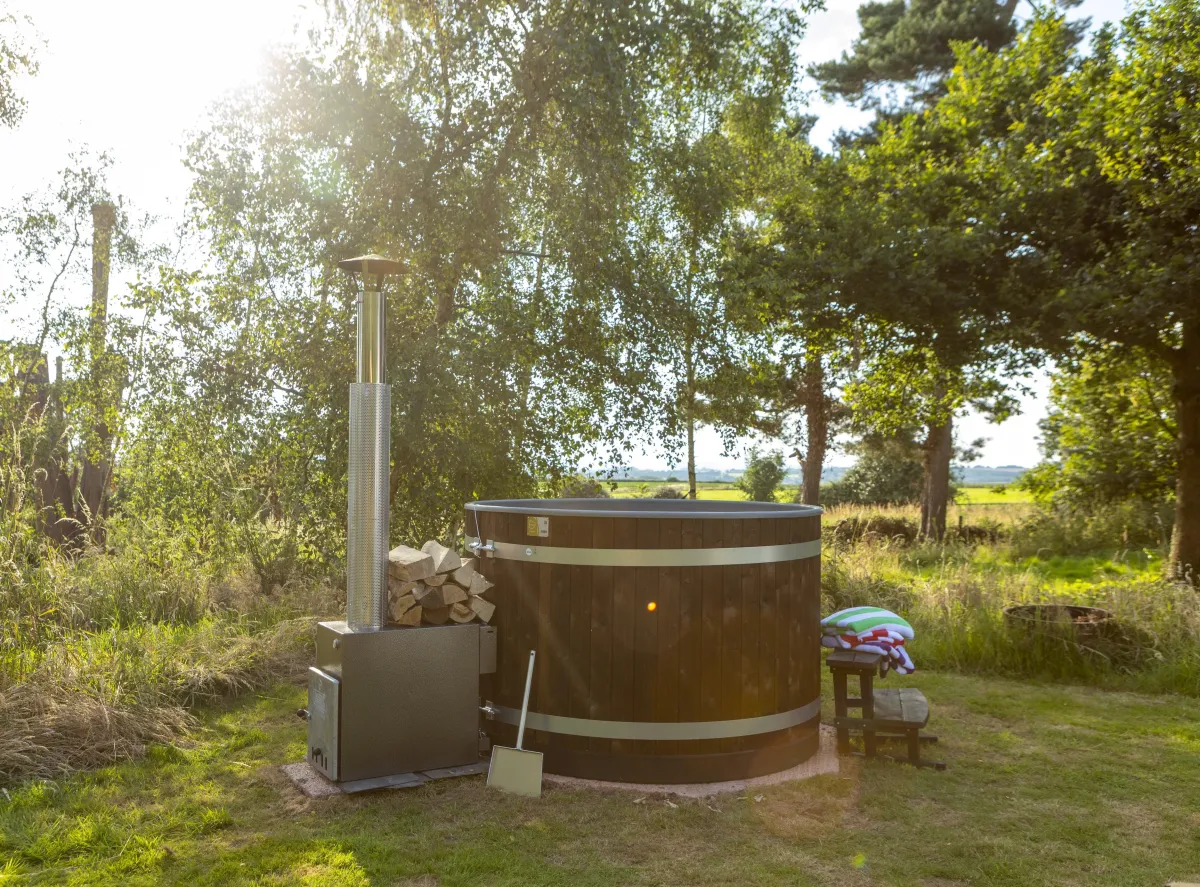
pixel 661 730
pixel 650 557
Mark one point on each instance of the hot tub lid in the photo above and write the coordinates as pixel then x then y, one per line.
pixel 663 508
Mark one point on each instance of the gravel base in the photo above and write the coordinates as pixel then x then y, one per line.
pixel 311 783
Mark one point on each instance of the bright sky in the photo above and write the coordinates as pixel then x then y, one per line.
pixel 134 77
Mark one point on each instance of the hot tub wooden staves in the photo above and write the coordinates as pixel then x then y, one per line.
pixel 677 641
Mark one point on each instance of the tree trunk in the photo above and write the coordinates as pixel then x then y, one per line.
pixel 96 466
pixel 691 423
pixel 1184 562
pixel 935 493
pixel 816 419
pixel 691 444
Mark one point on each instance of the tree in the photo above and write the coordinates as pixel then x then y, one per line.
pixel 499 151
pixel 1079 171
pixel 762 476
pixel 889 471
pixel 67 423
pixel 908 384
pixel 16 59
pixel 1110 435
pixel 789 262
pixel 712 130
pixel 909 44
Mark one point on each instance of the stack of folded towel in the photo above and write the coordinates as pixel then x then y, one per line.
pixel 872 630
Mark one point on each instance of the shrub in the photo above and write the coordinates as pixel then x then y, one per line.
pixel 580 487
pixel 854 529
pixel 762 476
pixel 669 493
pixel 888 472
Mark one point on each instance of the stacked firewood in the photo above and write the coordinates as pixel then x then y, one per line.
pixel 435 586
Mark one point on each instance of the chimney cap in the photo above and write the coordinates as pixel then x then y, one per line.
pixel 371 264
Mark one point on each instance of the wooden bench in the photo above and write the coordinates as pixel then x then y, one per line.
pixel 885 714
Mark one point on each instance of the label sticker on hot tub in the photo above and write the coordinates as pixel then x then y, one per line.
pixel 537 526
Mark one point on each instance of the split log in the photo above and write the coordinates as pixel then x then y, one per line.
pixel 398 587
pixel 437 615
pixel 437 579
pixel 453 594
pixel 408 564
pixel 479 584
pixel 483 608
pixel 465 573
pixel 430 597
pixel 461 613
pixel 445 560
pixel 402 605
pixel 411 617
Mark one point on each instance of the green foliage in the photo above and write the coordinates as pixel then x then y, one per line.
pixel 16 59
pixel 888 471
pixel 763 474
pixel 911 43
pixel 1070 178
pixel 665 492
pixel 1110 435
pixel 712 136
pixel 582 487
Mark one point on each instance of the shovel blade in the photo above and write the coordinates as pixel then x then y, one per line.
pixel 516 771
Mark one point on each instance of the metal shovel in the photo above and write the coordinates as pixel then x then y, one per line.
pixel 515 770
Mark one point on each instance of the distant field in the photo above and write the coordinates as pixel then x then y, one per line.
pixel 722 491
pixel 988 495
pixel 993 496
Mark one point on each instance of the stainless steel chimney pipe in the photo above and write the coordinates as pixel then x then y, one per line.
pixel 370 447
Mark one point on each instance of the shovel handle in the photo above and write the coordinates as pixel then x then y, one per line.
pixel 525 702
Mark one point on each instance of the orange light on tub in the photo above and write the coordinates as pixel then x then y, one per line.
pixel 652 606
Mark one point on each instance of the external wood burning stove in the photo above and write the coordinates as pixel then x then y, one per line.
pixel 387 705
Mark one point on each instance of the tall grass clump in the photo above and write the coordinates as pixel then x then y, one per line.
pixel 955 595
pixel 1057 529
pixel 98 698
pixel 106 649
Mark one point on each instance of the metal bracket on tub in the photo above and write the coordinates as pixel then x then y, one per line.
pixel 478 548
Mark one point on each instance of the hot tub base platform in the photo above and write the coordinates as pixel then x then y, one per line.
pixel 824 761
pixel 769 754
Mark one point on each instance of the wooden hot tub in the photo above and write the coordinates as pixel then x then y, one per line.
pixel 677 641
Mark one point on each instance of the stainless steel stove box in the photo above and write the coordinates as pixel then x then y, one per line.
pixel 394 700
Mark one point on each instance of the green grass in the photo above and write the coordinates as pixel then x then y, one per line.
pixel 1047 786
pixel 993 496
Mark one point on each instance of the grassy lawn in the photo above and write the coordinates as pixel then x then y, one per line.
pixel 1048 785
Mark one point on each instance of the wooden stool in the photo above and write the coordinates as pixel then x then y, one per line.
pixel 885 714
